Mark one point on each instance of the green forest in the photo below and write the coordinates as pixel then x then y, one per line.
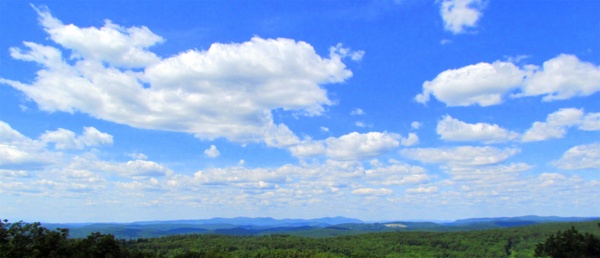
pixel 581 239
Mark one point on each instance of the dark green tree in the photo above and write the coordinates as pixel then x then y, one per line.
pixel 21 239
pixel 569 244
pixel 98 245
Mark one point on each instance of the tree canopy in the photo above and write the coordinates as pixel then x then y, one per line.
pixel 569 243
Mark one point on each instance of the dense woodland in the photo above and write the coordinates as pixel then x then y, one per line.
pixel 543 240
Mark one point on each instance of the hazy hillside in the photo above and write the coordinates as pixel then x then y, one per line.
pixel 321 227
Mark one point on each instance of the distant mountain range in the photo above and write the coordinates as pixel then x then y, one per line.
pixel 321 227
pixel 531 218
pixel 247 221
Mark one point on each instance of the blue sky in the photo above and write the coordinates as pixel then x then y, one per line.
pixel 377 110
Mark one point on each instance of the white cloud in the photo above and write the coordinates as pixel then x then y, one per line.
pixel 80 175
pixel 580 157
pixel 372 191
pixel 357 112
pixel 136 155
pixel 20 152
pixel 66 139
pixel 343 52
pixel 229 89
pixel 411 140
pixel 397 174
pixel 92 137
pixel 352 146
pixel 591 122
pixel 516 59
pixel 423 190
pixel 240 176
pixel 280 136
pixel 14 173
pixel 212 152
pixel 451 129
pixel 459 15
pixel 308 149
pixel 84 175
pixel 555 126
pixel 122 47
pixel 139 168
pixel 563 77
pixel 483 84
pixel 355 146
pixel 416 125
pixel 129 169
pixel 62 139
pixel 445 41
pixel 9 135
pixel 485 175
pixel 13 156
pixel 461 156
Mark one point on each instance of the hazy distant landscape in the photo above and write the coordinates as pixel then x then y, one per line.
pixel 526 236
pixel 322 227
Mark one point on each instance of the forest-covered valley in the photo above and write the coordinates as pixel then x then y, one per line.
pixel 581 239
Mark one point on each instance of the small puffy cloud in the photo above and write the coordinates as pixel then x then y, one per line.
pixel 423 190
pixel 372 191
pixel 14 173
pixel 416 125
pixel 132 168
pixel 12 156
pixel 486 84
pixel 92 137
pixel 140 168
pixel 136 155
pixel 9 135
pixel 461 156
pixel 308 149
pixel 591 122
pixel 230 89
pixel 482 84
pixel 357 112
pixel 396 174
pixel 145 185
pixel 549 179
pixel 80 175
pixel 411 140
pixel 240 176
pixel 212 152
pixel 555 126
pixel 18 151
pixel 123 47
pixel 487 174
pixel 516 59
pixel 360 124
pixel 563 77
pixel 459 15
pixel 355 146
pixel 66 139
pixel 343 52
pixel 62 139
pixel 452 129
pixel 280 136
pixel 580 157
